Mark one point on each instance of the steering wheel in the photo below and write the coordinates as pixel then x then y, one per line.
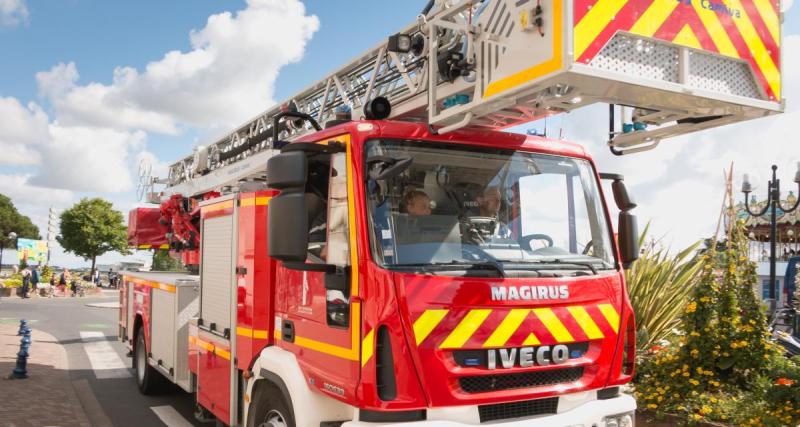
pixel 525 241
pixel 588 247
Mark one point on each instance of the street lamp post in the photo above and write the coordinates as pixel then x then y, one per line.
pixel 773 203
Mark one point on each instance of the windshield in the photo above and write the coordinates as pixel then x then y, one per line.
pixel 443 205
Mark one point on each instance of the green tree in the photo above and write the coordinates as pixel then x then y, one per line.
pixel 12 221
pixel 163 262
pixel 91 228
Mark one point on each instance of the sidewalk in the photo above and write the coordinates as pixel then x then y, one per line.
pixel 89 292
pixel 48 382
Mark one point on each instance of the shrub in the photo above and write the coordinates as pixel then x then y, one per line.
pixel 15 281
pixel 723 368
pixel 659 286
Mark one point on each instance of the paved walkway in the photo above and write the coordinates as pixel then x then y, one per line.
pixel 47 397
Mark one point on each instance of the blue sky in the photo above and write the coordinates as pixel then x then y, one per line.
pixel 46 45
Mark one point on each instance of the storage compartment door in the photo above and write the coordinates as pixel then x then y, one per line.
pixel 188 298
pixel 216 274
pixel 162 330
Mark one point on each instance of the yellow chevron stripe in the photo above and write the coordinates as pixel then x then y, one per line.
pixel 770 18
pixel 531 340
pixel 471 322
pixel 686 37
pixel 367 347
pixel 715 29
pixel 551 322
pixel 759 52
pixel 611 315
pixel 586 322
pixel 595 20
pixel 426 323
pixel 652 18
pixel 507 327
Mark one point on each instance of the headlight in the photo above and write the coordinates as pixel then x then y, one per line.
pixel 619 420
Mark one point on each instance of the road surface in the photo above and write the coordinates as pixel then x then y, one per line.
pixel 99 367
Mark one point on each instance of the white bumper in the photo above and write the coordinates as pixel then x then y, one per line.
pixel 587 414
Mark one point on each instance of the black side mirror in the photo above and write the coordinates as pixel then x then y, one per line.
pixel 287 225
pixel 627 227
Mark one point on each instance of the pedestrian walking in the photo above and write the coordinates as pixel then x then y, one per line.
pixel 34 280
pixel 26 281
pixel 63 280
pixel 53 283
pixel 96 278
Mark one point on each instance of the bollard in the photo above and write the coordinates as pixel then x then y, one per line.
pixel 23 324
pixel 21 369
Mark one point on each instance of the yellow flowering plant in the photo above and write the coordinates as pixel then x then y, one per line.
pixel 722 367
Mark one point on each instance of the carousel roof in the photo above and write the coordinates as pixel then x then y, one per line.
pixel 784 219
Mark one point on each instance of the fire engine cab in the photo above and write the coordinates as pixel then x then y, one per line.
pixel 375 251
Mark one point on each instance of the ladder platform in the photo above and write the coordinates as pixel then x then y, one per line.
pixel 679 66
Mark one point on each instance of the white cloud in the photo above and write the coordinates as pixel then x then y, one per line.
pixel 786 5
pixel 98 133
pixel 227 76
pixel 13 13
pixel 22 131
pixel 89 159
pixel 21 191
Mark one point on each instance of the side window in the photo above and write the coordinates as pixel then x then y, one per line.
pixel 338 251
pixel 326 197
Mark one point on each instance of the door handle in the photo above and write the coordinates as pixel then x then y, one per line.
pixel 287 330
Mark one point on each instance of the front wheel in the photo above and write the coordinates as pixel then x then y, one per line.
pixel 269 409
pixel 148 379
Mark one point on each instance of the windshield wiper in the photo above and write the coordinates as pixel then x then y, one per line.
pixel 557 261
pixel 457 265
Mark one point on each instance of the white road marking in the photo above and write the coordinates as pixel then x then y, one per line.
pixel 169 416
pixel 105 361
pixel 113 304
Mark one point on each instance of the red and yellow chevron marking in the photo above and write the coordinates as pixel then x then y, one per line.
pixel 749 30
pixel 492 328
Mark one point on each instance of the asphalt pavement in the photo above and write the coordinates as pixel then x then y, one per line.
pixel 99 369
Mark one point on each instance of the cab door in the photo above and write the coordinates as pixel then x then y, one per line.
pixel 321 320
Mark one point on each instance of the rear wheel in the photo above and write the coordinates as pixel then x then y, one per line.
pixel 149 380
pixel 269 409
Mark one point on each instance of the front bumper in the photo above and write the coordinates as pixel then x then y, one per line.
pixel 588 414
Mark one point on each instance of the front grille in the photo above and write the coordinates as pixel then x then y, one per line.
pixel 484 383
pixel 527 408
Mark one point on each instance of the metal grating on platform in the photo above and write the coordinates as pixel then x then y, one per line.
pixel 721 75
pixel 637 57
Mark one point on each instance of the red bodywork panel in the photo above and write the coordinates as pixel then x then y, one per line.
pixel 145 229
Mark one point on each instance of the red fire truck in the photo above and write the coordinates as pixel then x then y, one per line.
pixel 411 263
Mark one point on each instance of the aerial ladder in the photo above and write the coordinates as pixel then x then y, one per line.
pixel 664 68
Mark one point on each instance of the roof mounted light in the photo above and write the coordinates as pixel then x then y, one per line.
pixel 400 43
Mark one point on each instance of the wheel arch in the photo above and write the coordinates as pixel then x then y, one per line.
pixel 279 368
pixel 138 324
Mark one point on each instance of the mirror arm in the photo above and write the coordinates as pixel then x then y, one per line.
pixel 304 266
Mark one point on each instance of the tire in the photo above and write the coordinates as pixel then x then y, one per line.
pixel 269 409
pixel 149 380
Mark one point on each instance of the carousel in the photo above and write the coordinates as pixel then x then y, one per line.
pixel 758 228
